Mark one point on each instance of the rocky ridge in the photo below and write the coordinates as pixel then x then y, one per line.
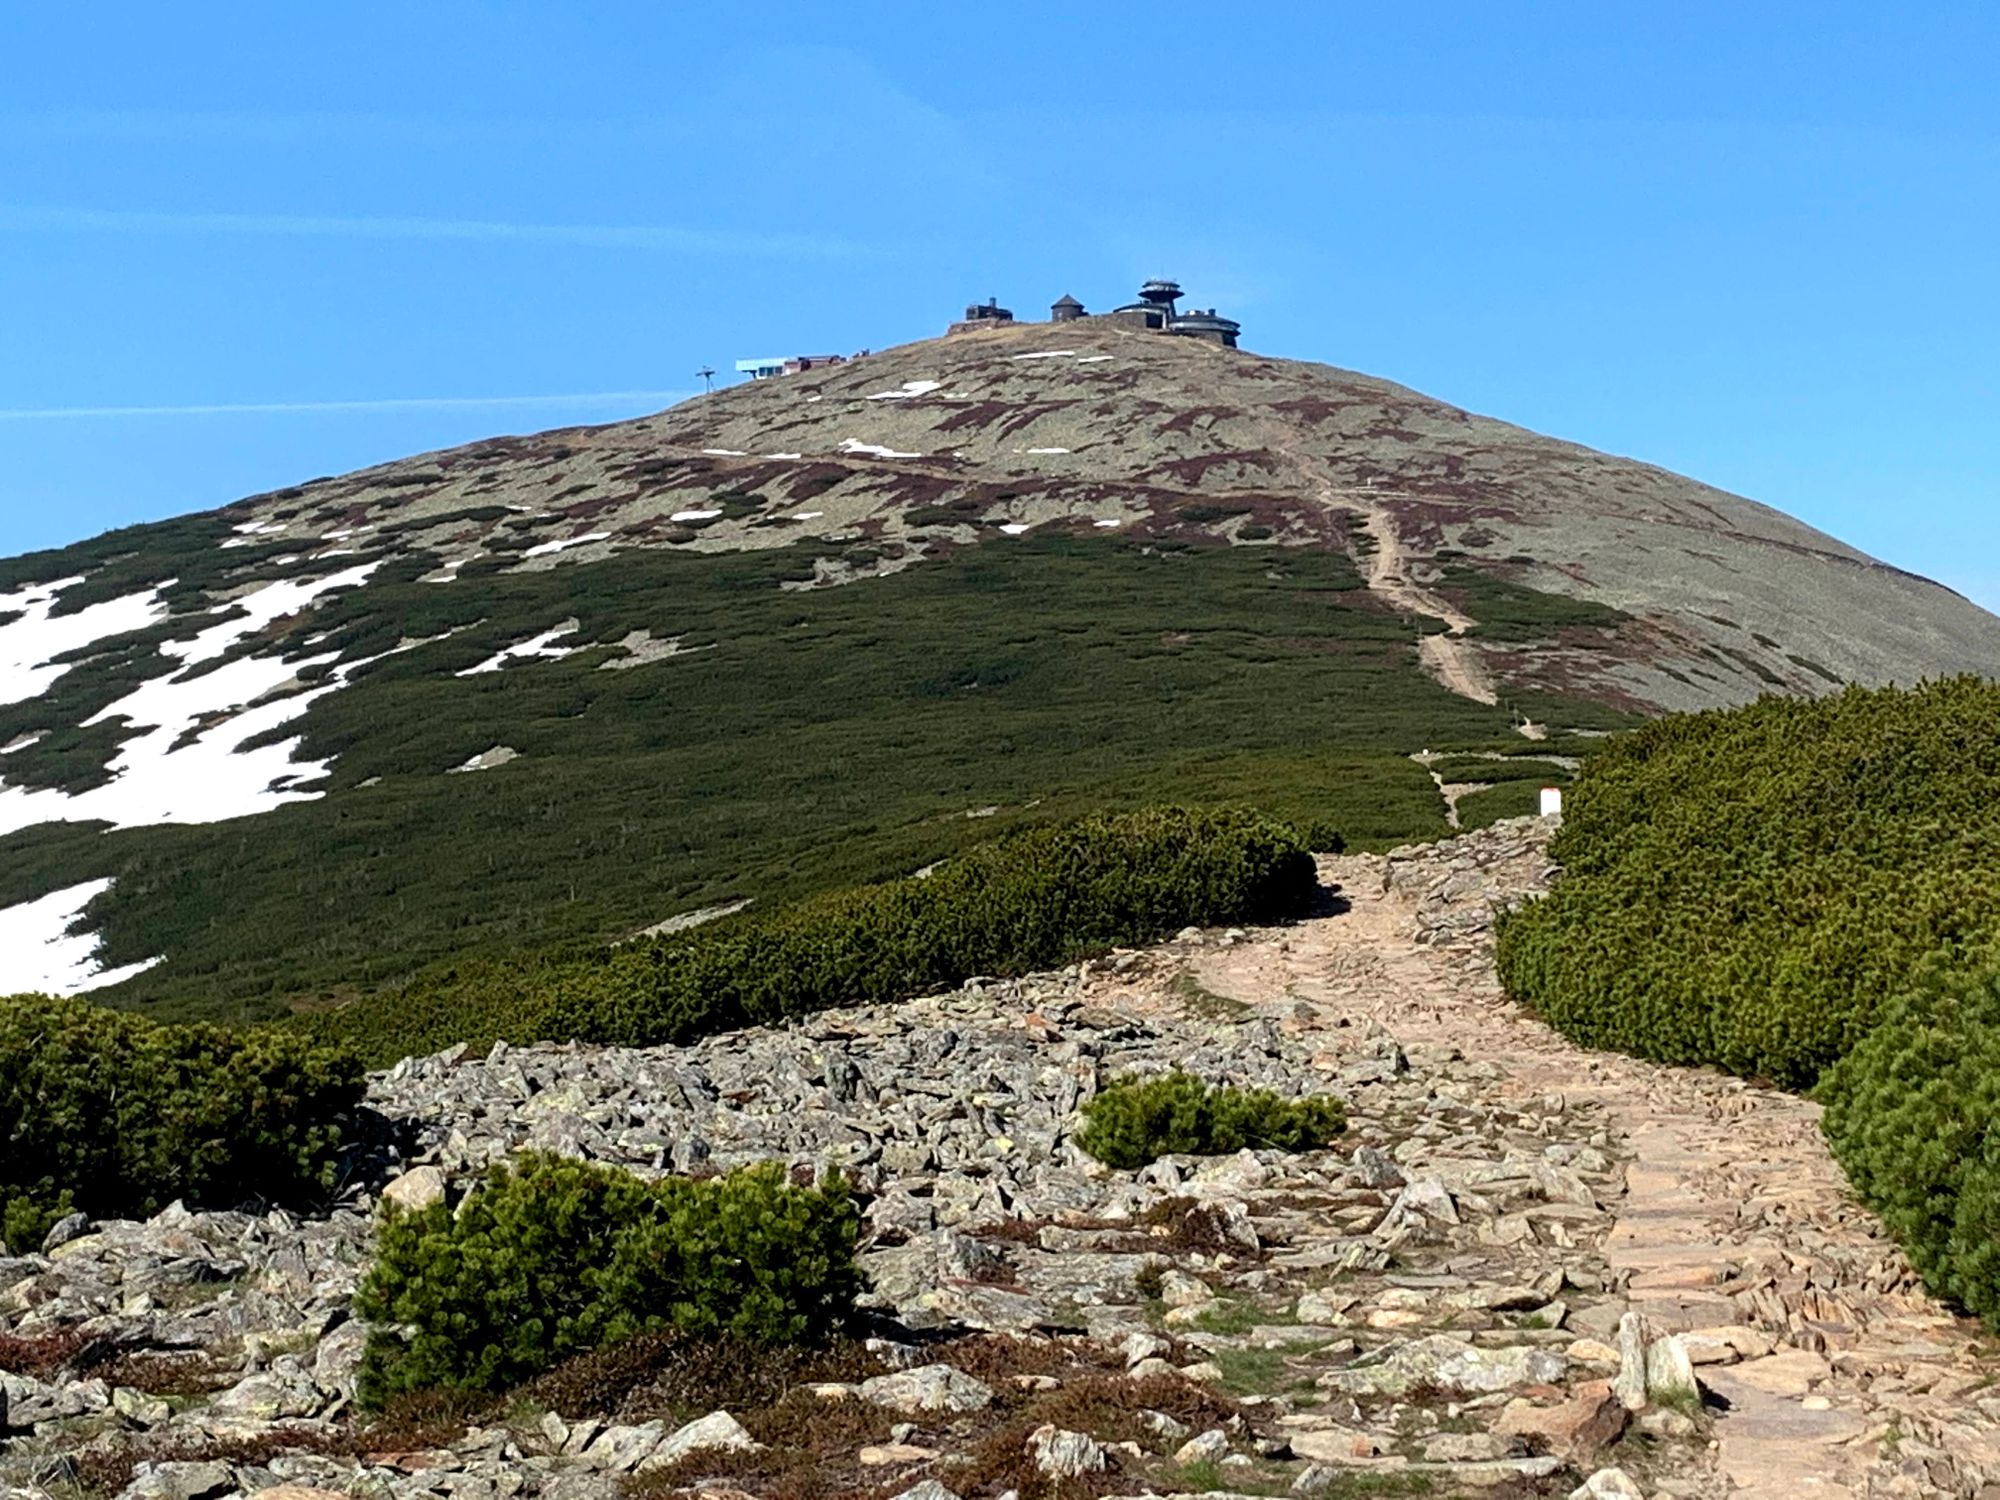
pixel 1523 1270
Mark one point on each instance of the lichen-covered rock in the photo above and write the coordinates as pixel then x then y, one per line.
pixel 1444 1363
pixel 1061 1454
pixel 718 1432
pixel 928 1388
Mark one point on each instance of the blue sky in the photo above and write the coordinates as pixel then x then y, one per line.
pixel 243 245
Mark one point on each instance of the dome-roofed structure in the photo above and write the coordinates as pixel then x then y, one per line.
pixel 1197 324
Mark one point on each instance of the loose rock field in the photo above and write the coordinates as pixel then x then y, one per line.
pixel 1524 1270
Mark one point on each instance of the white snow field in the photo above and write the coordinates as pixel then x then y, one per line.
pixel 40 955
pixel 29 644
pixel 855 445
pixel 184 760
pixel 545 549
pixel 542 645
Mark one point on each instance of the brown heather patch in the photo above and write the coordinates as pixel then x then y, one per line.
pixel 976 414
pixel 1194 471
pixel 997 1358
pixel 667 1376
pixel 810 481
pixel 40 1355
pixel 1109 1408
pixel 109 1469
pixel 1189 1226
pixel 164 1372
pixel 1313 409
pixel 810 1453
pixel 1185 420
pixel 411 1424
pixel 1013 1231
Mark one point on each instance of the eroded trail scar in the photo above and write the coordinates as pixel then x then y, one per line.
pixel 1447 656
pixel 1830 1371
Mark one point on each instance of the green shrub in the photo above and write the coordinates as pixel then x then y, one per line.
pixel 1133 1121
pixel 1029 901
pixel 113 1115
pixel 1741 887
pixel 1913 1113
pixel 549 1257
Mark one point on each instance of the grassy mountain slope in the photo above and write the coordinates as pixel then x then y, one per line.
pixel 802 740
pixel 830 628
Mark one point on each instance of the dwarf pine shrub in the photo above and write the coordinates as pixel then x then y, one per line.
pixel 550 1257
pixel 113 1115
pixel 1913 1113
pixel 1033 900
pixel 1133 1121
pixel 1741 887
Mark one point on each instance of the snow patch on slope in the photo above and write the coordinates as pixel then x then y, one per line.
pixel 855 445
pixel 542 645
pixel 39 953
pixel 187 760
pixel 30 644
pixel 545 549
pixel 260 609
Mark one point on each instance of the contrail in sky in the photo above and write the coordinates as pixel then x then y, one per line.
pixel 406 403
pixel 17 217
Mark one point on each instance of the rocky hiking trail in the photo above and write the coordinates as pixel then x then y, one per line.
pixel 1526 1269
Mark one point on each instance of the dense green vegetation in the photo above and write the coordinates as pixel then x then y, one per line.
pixel 549 1257
pixel 1506 799
pixel 1742 887
pixel 110 1114
pixel 1511 612
pixel 1133 1121
pixel 807 740
pixel 1913 1113
pixel 1034 899
pixel 1807 892
pixel 1496 769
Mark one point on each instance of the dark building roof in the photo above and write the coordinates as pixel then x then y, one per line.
pixel 1194 320
pixel 1066 300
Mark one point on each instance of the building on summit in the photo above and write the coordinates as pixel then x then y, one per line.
pixel 1155 307
pixel 1157 310
pixel 767 369
pixel 1197 324
pixel 987 314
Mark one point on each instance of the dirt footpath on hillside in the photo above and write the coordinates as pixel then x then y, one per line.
pixel 1734 1214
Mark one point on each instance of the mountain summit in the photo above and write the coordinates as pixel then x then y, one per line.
pixel 830 625
pixel 915 450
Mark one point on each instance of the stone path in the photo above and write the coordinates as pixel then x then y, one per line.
pixel 1734 1214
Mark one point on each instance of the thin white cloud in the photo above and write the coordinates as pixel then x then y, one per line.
pixel 27 218
pixel 405 403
